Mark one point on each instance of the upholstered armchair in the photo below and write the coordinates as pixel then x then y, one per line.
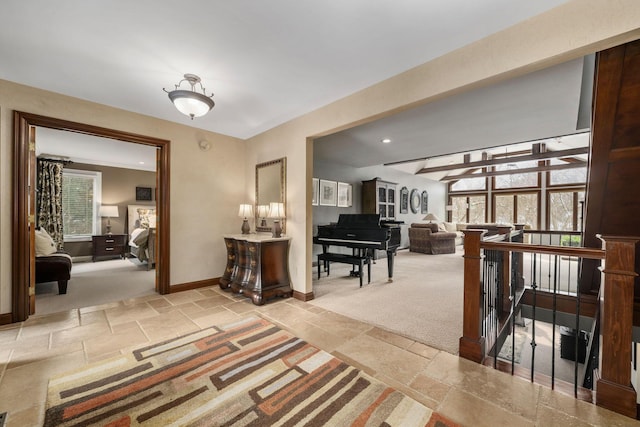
pixel 426 239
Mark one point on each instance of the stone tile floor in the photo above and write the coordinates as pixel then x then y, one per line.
pixel 471 394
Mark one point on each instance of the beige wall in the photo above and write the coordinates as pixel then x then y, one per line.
pixel 570 31
pixel 204 185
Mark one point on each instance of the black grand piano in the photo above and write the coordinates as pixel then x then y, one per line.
pixel 364 233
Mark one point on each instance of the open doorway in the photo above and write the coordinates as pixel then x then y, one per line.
pixel 105 185
pixel 23 295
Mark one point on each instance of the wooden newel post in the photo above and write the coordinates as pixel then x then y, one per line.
pixel 472 343
pixel 613 380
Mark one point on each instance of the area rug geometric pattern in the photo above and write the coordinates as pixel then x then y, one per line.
pixel 248 373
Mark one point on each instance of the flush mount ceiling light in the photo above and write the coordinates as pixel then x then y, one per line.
pixel 386 141
pixel 190 102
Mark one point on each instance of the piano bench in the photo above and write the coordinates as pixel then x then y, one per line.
pixel 360 261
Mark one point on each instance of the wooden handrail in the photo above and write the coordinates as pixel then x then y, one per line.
pixel 545 249
pixel 613 378
pixel 554 232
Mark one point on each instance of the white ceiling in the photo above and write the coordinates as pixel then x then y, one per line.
pixel 266 61
pixel 544 104
pixel 93 150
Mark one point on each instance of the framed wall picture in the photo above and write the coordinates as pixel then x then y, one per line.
pixel 424 205
pixel 328 193
pixel 143 193
pixel 314 190
pixel 404 200
pixel 345 195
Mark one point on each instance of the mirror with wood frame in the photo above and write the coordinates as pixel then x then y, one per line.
pixel 271 186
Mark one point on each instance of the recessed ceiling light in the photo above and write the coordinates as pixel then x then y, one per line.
pixel 141 163
pixel 386 141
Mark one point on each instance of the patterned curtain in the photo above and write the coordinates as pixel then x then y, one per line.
pixel 49 199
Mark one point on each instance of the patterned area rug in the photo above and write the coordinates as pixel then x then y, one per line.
pixel 249 373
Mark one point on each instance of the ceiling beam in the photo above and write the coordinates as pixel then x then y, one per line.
pixel 514 171
pixel 502 160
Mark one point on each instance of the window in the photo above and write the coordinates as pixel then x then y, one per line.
pixel 515 179
pixel 520 208
pixel 469 184
pixel 470 209
pixel 81 196
pixel 564 210
pixel 567 176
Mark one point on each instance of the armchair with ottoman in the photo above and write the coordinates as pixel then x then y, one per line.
pixel 426 239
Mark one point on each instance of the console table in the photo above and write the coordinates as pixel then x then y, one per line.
pixel 257 266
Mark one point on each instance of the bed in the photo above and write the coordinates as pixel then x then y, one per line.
pixel 141 225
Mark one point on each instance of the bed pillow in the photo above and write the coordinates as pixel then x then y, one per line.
pixel 44 243
pixel 141 237
pixel 147 217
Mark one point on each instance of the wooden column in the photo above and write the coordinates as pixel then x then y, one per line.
pixel 613 387
pixel 472 344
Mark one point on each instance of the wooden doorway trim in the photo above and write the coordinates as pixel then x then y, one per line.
pixel 20 230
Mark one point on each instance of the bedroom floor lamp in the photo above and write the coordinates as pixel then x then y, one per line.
pixel 108 211
pixel 245 211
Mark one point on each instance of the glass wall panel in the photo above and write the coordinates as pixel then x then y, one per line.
pixel 527 208
pixel 504 208
pixel 477 209
pixel 516 179
pixel 469 184
pixel 459 211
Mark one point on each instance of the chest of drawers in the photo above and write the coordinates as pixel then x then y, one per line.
pixel 109 245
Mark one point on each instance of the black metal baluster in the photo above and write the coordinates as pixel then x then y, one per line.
pixel 533 331
pixel 553 334
pixel 512 289
pixel 576 348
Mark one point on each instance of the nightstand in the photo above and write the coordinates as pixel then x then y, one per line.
pixel 109 245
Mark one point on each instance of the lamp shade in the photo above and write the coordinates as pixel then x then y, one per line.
pixel 263 211
pixel 108 211
pixel 276 210
pixel 430 217
pixel 192 104
pixel 245 211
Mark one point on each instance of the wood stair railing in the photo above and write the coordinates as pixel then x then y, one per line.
pixel 616 303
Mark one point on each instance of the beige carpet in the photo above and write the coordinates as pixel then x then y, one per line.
pixel 424 302
pixel 96 283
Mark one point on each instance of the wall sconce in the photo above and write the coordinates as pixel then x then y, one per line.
pixel 190 102
pixel 108 211
pixel 245 212
pixel 263 212
pixel 276 211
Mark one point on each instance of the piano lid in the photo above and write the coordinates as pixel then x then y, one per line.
pixel 358 221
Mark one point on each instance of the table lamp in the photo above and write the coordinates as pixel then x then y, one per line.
pixel 108 212
pixel 263 212
pixel 276 211
pixel 245 212
pixel 430 217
